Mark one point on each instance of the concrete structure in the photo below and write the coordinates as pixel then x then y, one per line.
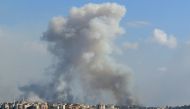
pixel 5 106
pixel 101 106
pixel 39 105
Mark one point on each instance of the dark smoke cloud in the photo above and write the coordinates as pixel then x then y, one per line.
pixel 86 72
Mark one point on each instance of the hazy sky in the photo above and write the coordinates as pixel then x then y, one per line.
pixel 156 46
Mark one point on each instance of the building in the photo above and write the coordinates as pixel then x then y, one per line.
pixel 101 106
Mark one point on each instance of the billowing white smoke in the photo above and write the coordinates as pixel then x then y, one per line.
pixel 83 43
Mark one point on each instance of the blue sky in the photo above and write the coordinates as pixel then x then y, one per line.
pixel 157 41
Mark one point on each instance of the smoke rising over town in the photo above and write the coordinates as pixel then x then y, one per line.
pixel 85 71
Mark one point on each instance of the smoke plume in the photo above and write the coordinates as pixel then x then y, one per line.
pixel 83 43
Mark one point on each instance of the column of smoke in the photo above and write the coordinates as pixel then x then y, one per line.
pixel 83 43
